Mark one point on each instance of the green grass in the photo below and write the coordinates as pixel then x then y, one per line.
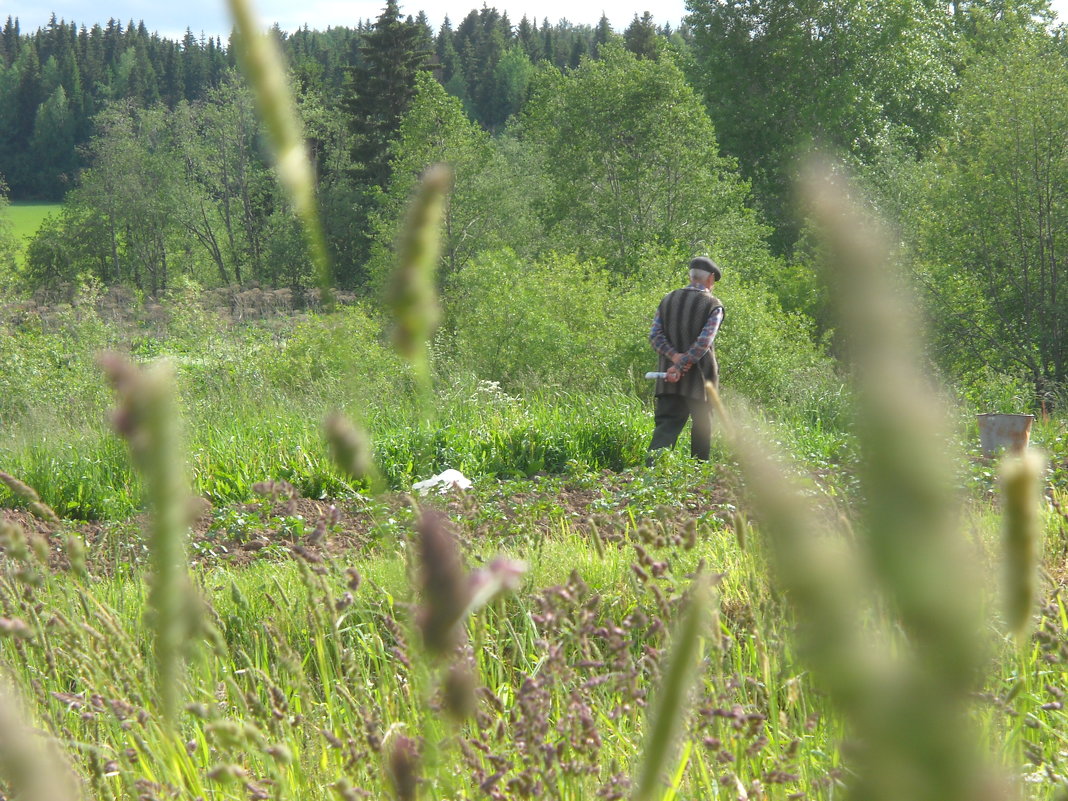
pixel 302 683
pixel 296 671
pixel 303 680
pixel 26 218
pixel 84 472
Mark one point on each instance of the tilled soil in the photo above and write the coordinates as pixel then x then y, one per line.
pixel 278 525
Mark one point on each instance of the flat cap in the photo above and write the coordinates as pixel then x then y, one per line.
pixel 706 264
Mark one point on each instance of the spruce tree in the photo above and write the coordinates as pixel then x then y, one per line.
pixel 12 40
pixel 527 34
pixel 640 36
pixel 381 88
pixel 602 36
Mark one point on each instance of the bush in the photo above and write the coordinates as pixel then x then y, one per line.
pixel 339 358
pixel 561 323
pixel 554 322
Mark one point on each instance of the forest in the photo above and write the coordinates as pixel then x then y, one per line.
pixel 924 102
pixel 256 291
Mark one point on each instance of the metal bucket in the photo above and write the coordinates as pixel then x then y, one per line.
pixel 1009 431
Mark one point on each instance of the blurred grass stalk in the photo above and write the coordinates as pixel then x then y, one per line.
pixel 891 626
pixel 1021 481
pixel 413 293
pixel 264 65
pixel 916 739
pixel 30 764
pixel 147 416
pixel 672 699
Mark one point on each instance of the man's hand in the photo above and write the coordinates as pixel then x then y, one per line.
pixel 676 358
pixel 673 375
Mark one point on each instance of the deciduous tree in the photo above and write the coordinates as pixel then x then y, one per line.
pixel 632 161
pixel 860 76
pixel 996 230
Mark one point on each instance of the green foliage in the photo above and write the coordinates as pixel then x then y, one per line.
pixel 380 89
pixel 556 321
pixel 631 159
pixel 777 75
pixel 178 193
pixel 9 246
pixel 254 396
pixel 489 205
pixel 52 358
pixel 561 322
pixel 640 37
pixel 513 75
pixel 996 222
pixel 52 146
pixel 55 80
pixel 228 190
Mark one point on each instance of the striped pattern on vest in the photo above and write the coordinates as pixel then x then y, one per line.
pixel 683 313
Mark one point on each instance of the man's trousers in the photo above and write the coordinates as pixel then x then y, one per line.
pixel 672 412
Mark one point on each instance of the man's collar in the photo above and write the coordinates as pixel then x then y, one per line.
pixel 697 286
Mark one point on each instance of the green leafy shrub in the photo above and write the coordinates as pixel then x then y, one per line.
pixel 528 325
pixel 340 358
pixel 558 322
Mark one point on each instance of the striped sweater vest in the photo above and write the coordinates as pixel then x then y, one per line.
pixel 683 313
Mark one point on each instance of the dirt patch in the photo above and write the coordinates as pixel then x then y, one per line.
pixel 281 524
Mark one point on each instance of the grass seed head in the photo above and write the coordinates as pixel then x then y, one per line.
pixel 458 690
pixel 413 293
pixel 1021 477
pixel 445 589
pixel 403 766
pixel 76 556
pixel 147 417
pixel 263 64
pixel 19 488
pixel 741 529
pixel 28 494
pixel 354 579
pixel 909 704
pixel 350 448
pixel 15 627
pixel 30 765
pixel 13 541
pixel 499 576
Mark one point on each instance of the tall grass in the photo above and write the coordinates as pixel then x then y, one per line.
pixel 905 667
pixel 314 677
pixel 400 672
pixel 316 673
pixel 86 473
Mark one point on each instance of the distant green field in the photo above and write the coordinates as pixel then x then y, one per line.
pixel 27 217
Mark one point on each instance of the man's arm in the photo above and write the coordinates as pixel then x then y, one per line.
pixel 658 339
pixel 703 342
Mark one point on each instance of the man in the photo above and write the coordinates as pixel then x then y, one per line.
pixel 683 330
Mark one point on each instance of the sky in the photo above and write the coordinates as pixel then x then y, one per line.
pixel 170 19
